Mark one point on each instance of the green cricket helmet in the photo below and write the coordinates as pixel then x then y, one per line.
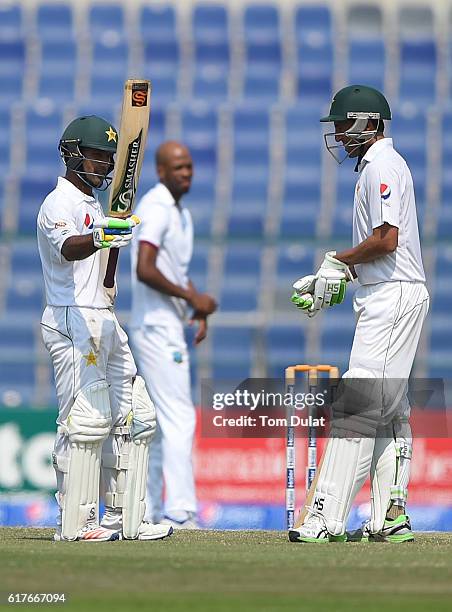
pixel 95 133
pixel 359 103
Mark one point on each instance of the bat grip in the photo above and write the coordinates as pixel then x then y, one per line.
pixel 109 280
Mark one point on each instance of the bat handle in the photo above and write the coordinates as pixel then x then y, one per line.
pixel 109 280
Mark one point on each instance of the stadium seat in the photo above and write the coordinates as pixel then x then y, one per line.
pixel 210 23
pixel 32 192
pixel 261 23
pixel 58 57
pixel 285 346
pixel 54 22
pixel 157 23
pixel 106 21
pixel 12 54
pixel 200 201
pixel 10 21
pixel 5 141
pixel 232 353
pixel 110 59
pixel 367 62
pixel 301 202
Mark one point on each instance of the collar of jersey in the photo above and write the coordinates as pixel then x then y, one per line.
pixel 165 196
pixel 73 191
pixel 376 148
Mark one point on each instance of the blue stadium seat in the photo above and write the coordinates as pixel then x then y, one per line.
pixel 418 67
pixel 112 87
pixel 263 57
pixel 243 261
pixel 304 143
pixel 232 352
pixel 200 201
pixel 16 376
pixel 58 57
pixel 25 296
pixel 212 53
pixel 106 20
pixel 16 339
pixel 248 207
pixel 345 192
pixel 210 83
pixel 54 22
pixel 237 295
pixel 110 59
pixel 199 125
pixel 11 90
pixel 410 139
pixel 157 22
pixel 5 141
pixel 10 21
pixel 199 265
pixel 301 203
pixel 285 345
pixel 293 262
pixel 263 89
pixel 60 88
pixel 32 192
pixel 25 260
pixel 43 132
pixel 367 62
pixel 12 54
pixel 313 21
pixel 261 23
pixel 442 295
pixel 162 57
pixel 210 23
pixel 251 125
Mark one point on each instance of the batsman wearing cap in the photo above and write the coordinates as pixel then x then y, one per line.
pixel 106 418
pixel 390 305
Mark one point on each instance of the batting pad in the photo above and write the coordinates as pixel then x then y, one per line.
pixel 87 426
pixel 344 469
pixel 127 464
pixel 382 474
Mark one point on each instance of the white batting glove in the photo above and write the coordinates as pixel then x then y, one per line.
pixel 111 232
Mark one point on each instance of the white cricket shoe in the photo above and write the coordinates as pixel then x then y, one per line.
pixel 187 520
pixel 92 532
pixel 151 531
pixel 147 531
pixel 314 530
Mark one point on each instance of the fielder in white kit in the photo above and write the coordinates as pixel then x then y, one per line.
pixel 106 418
pixel 390 305
pixel 162 293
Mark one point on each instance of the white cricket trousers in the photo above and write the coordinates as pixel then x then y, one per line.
pixel 163 361
pixel 389 323
pixel 87 345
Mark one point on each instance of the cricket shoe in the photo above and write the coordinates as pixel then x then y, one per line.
pixel 361 534
pixel 185 520
pixel 396 530
pixel 92 532
pixel 146 531
pixel 314 531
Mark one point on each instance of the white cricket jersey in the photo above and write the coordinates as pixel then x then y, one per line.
pixel 170 229
pixel 66 212
pixel 385 194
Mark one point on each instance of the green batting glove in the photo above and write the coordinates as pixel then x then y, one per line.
pixel 338 298
pixel 304 301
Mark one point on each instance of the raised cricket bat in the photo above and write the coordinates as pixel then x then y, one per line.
pixel 133 130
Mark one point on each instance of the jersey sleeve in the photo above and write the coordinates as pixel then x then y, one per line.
pixel 384 196
pixel 57 223
pixel 154 224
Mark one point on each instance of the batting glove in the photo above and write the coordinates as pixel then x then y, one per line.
pixel 111 232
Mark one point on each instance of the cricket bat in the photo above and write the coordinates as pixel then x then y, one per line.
pixel 133 130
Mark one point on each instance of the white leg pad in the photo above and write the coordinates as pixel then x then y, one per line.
pixel 382 473
pixel 87 426
pixel 344 469
pixel 404 451
pixel 126 488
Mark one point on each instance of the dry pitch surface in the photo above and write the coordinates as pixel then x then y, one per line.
pixel 233 571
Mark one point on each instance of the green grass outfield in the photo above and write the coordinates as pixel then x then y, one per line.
pixel 234 570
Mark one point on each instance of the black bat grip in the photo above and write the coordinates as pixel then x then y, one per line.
pixel 109 280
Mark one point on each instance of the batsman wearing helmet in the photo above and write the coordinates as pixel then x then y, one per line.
pixel 390 305
pixel 106 418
